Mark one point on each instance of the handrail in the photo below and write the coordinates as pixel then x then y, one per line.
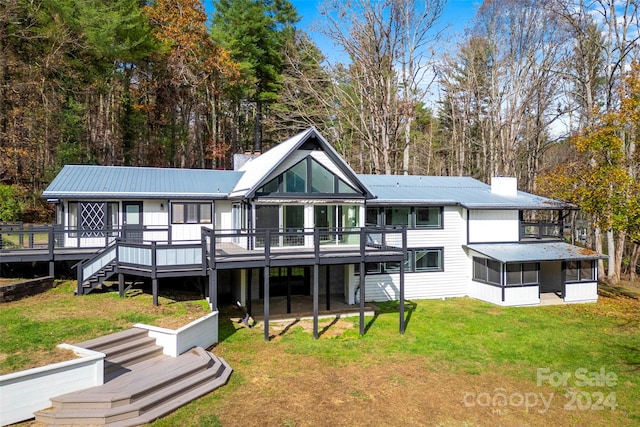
pixel 85 274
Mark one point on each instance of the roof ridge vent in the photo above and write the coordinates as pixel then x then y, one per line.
pixel 504 186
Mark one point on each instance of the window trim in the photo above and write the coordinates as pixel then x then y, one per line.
pixel 411 260
pixel 381 217
pixel 579 271
pixel 485 264
pixel 521 272
pixel 77 219
pixel 198 212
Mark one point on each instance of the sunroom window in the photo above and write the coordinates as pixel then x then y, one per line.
pixel 579 271
pixel 522 273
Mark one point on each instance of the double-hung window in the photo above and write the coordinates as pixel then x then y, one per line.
pixel 191 213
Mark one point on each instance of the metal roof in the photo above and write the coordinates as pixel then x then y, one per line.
pixel 534 252
pixel 125 182
pixel 449 190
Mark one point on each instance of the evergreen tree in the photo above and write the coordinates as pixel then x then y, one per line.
pixel 255 32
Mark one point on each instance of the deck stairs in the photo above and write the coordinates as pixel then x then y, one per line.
pixel 99 277
pixel 96 270
pixel 141 384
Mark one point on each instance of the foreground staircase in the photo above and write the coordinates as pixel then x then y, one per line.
pixel 141 384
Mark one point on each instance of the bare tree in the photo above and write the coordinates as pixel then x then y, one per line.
pixel 504 85
pixel 387 42
pixel 606 34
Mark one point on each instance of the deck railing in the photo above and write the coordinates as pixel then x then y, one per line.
pixel 229 244
pixel 50 237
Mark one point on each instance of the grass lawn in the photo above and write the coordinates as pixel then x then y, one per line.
pixel 460 362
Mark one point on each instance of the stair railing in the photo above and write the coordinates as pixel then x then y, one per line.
pixel 91 267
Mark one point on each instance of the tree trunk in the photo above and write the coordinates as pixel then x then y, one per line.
pixel 257 129
pixel 633 264
pixel 598 244
pixel 612 278
pixel 622 237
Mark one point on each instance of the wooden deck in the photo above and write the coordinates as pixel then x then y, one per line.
pixel 138 391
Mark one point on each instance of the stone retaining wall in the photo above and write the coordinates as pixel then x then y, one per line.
pixel 25 288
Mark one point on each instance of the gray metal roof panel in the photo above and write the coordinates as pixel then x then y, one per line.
pixel 140 182
pixel 534 252
pixel 447 190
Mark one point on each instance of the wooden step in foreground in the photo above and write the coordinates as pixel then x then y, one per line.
pixel 123 349
pixel 149 390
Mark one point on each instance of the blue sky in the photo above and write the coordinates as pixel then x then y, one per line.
pixel 457 14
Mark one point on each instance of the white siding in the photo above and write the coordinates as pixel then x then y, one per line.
pixel 155 215
pixel 493 226
pixel 581 292
pixel 521 295
pixel 224 215
pixel 525 295
pixel 485 292
pixel 452 282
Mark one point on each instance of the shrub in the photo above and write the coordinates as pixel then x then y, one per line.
pixel 11 203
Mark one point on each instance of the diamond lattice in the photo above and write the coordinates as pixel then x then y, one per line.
pixel 93 219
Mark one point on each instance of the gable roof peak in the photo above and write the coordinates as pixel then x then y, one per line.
pixel 258 169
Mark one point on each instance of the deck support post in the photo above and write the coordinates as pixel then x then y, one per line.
pixel 267 265
pixel 213 289
pixel 316 280
pixel 288 290
pixel 363 272
pixel 154 272
pixel 249 284
pixel 266 303
pixel 316 269
pixel 121 285
pixel 327 284
pixel 404 257
pixel 154 290
pixel 51 247
pixel 79 278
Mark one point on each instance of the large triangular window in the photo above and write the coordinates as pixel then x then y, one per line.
pixel 307 177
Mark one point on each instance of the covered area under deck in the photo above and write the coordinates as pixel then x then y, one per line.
pixel 239 251
pixel 513 274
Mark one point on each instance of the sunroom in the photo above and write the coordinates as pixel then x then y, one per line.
pixel 513 274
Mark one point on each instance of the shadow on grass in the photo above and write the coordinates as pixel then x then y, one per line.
pixel 228 316
pixel 327 327
pixel 390 307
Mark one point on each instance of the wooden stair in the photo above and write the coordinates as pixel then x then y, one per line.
pixel 98 278
pixel 139 390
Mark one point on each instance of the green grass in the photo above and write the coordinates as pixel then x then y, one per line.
pixel 460 337
pixel 35 326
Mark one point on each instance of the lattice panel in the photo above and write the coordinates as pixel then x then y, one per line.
pixel 93 219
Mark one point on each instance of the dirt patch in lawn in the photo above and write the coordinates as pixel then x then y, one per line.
pixel 405 392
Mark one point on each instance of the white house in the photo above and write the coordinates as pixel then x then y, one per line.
pixel 298 215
